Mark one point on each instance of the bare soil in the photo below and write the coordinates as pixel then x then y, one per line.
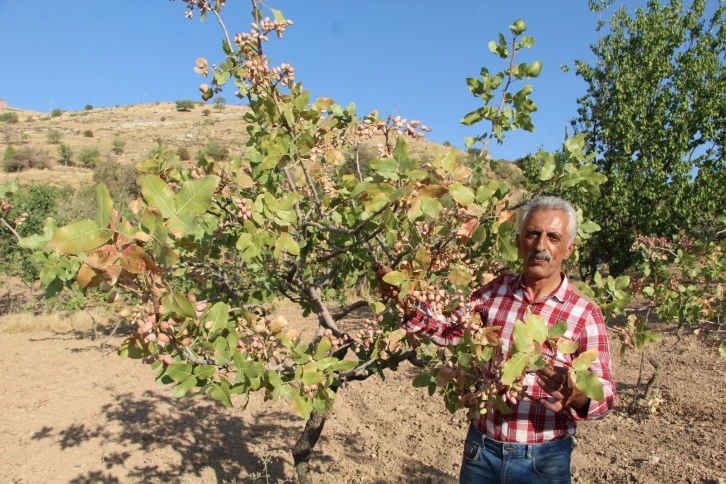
pixel 73 411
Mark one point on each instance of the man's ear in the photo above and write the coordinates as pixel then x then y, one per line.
pixel 570 248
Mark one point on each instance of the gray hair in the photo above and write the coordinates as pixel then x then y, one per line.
pixel 550 203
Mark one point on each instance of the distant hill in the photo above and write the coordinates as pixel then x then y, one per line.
pixel 139 127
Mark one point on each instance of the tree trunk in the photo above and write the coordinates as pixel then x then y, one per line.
pixel 305 444
pixel 653 379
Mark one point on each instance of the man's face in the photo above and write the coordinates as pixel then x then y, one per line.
pixel 543 244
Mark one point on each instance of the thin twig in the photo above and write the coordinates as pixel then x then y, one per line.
pixel 12 230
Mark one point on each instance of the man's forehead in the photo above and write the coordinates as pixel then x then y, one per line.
pixel 555 217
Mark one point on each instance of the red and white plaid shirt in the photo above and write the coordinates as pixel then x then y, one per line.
pixel 504 301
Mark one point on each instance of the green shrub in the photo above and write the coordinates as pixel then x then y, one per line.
pixel 185 105
pixel 88 107
pixel 38 202
pixel 219 100
pixel 53 137
pixel 216 151
pixel 219 107
pixel 89 157
pixel 88 133
pixel 16 160
pixel 76 204
pixel 65 153
pixel 183 153
pixel 56 112
pixel 118 146
pixel 120 180
pixel 207 112
pixel 9 117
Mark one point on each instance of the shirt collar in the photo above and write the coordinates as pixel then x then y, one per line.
pixel 562 293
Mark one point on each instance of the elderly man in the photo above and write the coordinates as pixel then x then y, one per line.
pixel 534 442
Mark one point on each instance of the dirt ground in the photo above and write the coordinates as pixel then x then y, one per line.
pixel 73 411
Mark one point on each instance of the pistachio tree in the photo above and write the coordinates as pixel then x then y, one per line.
pixel 211 243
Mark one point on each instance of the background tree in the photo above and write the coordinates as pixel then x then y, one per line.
pixel 655 112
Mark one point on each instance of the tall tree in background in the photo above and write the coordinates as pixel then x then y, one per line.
pixel 654 112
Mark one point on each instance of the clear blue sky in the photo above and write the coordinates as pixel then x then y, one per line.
pixel 397 56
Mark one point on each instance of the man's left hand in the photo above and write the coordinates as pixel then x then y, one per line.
pixel 554 381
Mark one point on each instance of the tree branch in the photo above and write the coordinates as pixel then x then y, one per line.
pixel 12 230
pixel 349 309
pixel 364 371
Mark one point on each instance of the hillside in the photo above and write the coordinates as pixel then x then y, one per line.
pixel 139 127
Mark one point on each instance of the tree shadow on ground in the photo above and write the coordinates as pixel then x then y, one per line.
pixel 194 435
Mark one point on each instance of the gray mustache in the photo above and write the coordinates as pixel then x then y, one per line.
pixel 541 255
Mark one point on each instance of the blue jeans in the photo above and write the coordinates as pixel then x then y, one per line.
pixel 487 460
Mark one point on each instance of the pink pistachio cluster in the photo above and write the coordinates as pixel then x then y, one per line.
pixel 244 208
pixel 394 125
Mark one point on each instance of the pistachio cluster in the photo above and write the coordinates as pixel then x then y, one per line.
pixel 244 208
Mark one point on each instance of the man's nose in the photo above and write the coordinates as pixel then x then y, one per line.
pixel 539 244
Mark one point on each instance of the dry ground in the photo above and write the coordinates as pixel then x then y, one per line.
pixel 73 411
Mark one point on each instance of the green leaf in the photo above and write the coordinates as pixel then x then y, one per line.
pixel 278 15
pixel 179 371
pixel 518 27
pixel 462 194
pixel 459 277
pixel 274 379
pixel 221 393
pixel 431 207
pixel 343 366
pixel 157 194
pixel 589 227
pixel 533 69
pixel 590 385
pixel 79 237
pixel 567 346
pixel 104 205
pixel 177 303
pixel 385 165
pixel 507 249
pixel 558 330
pixel 585 359
pixel 219 315
pixel 422 380
pixel 377 307
pixel 302 405
pixel 33 242
pixel 622 282
pixel 253 369
pixel 184 387
pixel 474 116
pixel 537 327
pixel 514 367
pixel 312 378
pixel 226 47
pixel 522 338
pixel 193 199
pixel 289 244
pixel 205 371
pixel 394 278
pixel 501 405
pixel 422 259
pixel 323 349
pixel 547 171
